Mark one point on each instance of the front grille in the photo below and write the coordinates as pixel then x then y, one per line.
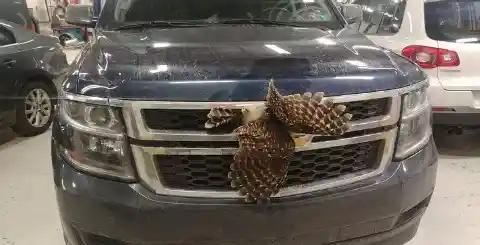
pixel 192 119
pixel 209 172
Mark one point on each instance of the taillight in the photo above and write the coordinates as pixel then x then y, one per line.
pixel 85 34
pixel 428 57
pixel 31 27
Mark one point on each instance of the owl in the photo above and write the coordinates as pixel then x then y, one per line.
pixel 308 113
pixel 268 134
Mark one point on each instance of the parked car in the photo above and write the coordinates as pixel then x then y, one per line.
pixel 134 164
pixel 16 11
pixel 70 35
pixel 443 37
pixel 28 65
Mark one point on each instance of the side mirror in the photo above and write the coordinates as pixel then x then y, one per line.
pixel 80 15
pixel 352 12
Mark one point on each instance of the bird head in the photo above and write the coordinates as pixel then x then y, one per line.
pixel 253 113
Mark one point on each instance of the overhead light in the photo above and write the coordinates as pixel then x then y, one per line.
pixel 160 68
pixel 277 49
pixel 161 45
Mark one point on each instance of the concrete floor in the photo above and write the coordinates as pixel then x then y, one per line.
pixel 28 213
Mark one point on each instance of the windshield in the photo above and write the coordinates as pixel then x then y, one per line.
pixel 308 13
pixel 453 21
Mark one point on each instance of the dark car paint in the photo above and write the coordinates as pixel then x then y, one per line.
pixel 225 63
pixel 36 57
pixel 231 63
pixel 133 214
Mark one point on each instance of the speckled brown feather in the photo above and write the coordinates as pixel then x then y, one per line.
pixel 261 162
pixel 260 165
pixel 308 113
pixel 220 116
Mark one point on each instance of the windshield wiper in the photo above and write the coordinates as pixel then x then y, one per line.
pixel 160 24
pixel 256 22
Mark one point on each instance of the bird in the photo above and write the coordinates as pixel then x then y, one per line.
pixel 308 113
pixel 268 134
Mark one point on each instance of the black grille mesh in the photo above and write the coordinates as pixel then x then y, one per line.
pixel 167 119
pixel 209 172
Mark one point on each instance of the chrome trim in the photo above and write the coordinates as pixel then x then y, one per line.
pixel 148 171
pixel 146 104
pixel 86 99
pixel 137 129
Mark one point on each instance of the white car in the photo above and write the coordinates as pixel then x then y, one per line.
pixel 441 36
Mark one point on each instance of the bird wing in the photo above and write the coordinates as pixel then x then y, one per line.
pixel 314 115
pixel 221 116
pixel 308 113
pixel 260 165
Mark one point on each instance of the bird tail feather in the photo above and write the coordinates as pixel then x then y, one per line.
pixel 253 179
pixel 220 116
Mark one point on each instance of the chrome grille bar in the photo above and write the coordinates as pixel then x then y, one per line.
pixel 148 169
pixel 145 157
pixel 137 129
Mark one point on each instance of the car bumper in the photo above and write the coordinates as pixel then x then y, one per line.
pixel 456 118
pixel 383 210
pixel 453 107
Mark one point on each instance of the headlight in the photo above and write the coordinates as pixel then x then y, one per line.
pixel 415 125
pixel 95 117
pixel 94 140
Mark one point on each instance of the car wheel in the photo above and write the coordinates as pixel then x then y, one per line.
pixel 63 39
pixel 34 113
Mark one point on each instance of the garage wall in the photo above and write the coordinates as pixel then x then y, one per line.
pixel 39 7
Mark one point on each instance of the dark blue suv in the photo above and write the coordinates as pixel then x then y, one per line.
pixel 134 165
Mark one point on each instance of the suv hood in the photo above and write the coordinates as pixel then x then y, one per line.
pixel 225 63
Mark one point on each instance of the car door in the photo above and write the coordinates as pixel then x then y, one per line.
pixel 455 25
pixel 8 75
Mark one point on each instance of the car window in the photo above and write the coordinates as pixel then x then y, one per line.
pixel 119 12
pixel 381 17
pixel 6 37
pixel 453 21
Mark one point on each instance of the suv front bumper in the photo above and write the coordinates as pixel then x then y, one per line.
pixel 385 210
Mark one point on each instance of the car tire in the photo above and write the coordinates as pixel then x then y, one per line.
pixel 35 109
pixel 35 24
pixel 63 39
